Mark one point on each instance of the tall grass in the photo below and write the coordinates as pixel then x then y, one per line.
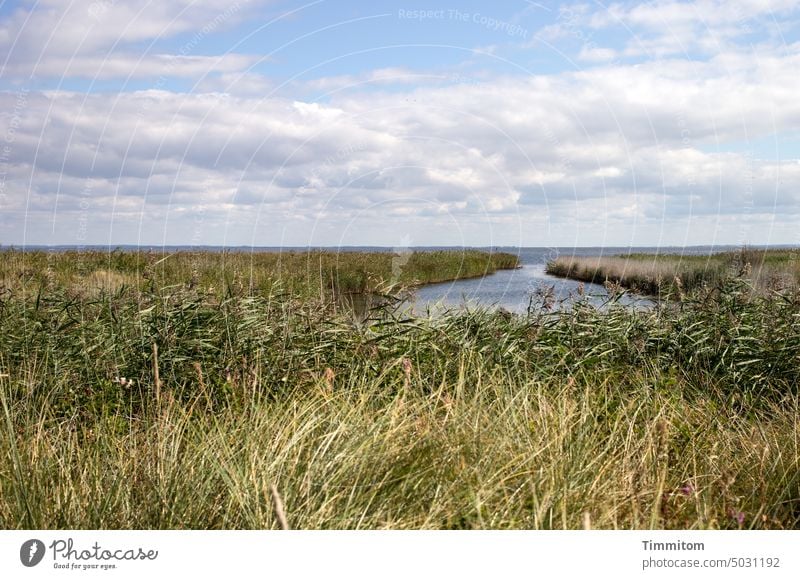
pixel 313 273
pixel 675 417
pixel 671 274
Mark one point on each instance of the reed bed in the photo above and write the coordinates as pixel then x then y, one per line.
pixel 670 275
pixel 174 406
pixel 304 274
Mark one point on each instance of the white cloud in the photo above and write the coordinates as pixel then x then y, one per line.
pixel 675 14
pixel 90 37
pixel 378 77
pixel 131 66
pixel 637 141
pixel 665 28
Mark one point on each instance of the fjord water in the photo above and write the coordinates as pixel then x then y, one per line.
pixel 517 290
pixel 520 289
pixel 512 290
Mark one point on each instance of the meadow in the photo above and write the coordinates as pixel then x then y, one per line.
pixel 187 394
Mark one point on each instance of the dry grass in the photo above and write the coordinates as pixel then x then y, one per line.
pixel 532 454
pixel 102 281
pixel 315 273
pixel 672 274
pixel 674 417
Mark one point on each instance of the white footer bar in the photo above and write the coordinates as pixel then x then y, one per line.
pixel 435 554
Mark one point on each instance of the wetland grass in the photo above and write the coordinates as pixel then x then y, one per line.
pixel 680 418
pixel 670 274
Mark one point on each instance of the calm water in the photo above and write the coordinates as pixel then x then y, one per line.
pixel 516 290
pixel 513 290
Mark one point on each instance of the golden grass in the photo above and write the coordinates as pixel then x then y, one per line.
pixel 672 274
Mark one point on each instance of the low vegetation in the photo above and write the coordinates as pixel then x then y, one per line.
pixel 303 274
pixel 673 274
pixel 194 405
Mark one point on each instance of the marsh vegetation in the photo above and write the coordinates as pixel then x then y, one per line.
pixel 187 395
pixel 669 274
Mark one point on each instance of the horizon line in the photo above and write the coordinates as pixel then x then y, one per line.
pixel 212 246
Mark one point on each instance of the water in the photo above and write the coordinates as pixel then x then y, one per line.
pixel 518 290
pixel 512 290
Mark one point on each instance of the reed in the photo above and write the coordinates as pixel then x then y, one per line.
pixel 313 273
pixel 264 410
pixel 671 274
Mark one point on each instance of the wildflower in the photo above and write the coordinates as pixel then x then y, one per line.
pixel 687 489
pixel 737 516
pixel 122 381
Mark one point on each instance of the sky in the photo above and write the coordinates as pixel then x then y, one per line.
pixel 276 123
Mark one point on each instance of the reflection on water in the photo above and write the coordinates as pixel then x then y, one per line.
pixel 516 290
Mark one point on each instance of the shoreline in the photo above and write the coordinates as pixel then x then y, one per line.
pixel 660 276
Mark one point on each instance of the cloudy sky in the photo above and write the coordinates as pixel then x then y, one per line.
pixel 217 122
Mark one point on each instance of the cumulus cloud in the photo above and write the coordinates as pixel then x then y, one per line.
pixel 93 38
pixel 569 157
pixel 131 66
pixel 639 140
pixel 671 27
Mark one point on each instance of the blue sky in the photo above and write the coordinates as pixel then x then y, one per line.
pixel 386 123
